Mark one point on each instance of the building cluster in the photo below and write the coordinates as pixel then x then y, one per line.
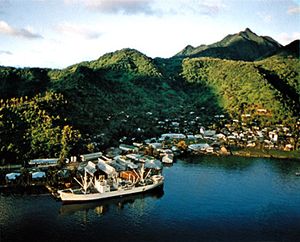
pixel 181 135
pixel 221 131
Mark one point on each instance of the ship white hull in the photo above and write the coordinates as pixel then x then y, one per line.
pixel 73 196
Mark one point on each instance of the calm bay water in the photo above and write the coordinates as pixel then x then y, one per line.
pixel 203 199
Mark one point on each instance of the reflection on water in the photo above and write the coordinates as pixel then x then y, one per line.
pixel 100 207
pixel 204 198
pixel 283 167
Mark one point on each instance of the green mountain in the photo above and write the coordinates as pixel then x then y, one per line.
pixel 91 105
pixel 244 45
pixel 123 85
pixel 244 87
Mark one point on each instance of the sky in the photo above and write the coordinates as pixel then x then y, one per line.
pixel 59 33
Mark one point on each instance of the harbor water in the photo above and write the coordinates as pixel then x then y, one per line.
pixel 204 198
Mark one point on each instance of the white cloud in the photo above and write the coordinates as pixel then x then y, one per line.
pixel 128 7
pixel 207 7
pixel 153 7
pixel 267 18
pixel 294 10
pixel 6 29
pixel 78 30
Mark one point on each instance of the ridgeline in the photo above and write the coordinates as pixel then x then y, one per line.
pixel 90 105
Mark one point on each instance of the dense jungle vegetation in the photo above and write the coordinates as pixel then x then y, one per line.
pixel 90 105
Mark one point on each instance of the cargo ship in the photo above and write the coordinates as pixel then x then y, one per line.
pixel 102 181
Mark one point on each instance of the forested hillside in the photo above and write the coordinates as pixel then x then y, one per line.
pixel 244 87
pixel 89 105
pixel 35 127
pixel 113 94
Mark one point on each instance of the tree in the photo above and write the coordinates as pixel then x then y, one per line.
pixel 69 139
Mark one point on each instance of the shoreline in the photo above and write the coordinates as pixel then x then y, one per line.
pixel 251 152
pixel 264 153
pixel 234 151
pixel 42 187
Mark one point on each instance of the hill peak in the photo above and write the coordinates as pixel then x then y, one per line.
pixel 293 46
pixel 187 50
pixel 244 45
pixel 247 33
pixel 128 52
pixel 247 30
pixel 126 60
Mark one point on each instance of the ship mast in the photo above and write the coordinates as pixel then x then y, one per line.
pixel 84 184
pixel 142 171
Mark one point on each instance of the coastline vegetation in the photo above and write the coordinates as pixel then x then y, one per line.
pixel 33 127
pixel 266 153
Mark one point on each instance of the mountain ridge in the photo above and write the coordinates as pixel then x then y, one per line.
pixel 127 94
pixel 245 45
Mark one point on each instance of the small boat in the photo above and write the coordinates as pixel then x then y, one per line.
pixel 297 173
pixel 95 187
pixel 168 158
